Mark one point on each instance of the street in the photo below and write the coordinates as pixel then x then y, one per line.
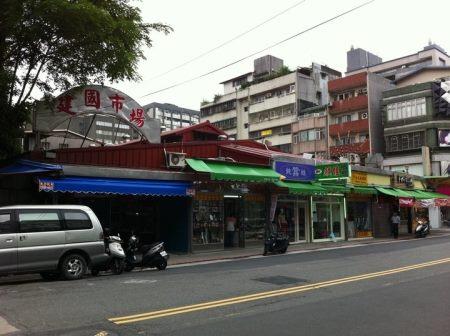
pixel 397 288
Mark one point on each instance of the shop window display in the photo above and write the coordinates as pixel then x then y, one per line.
pixel 208 219
pixel 285 218
pixel 255 218
pixel 327 218
pixel 359 220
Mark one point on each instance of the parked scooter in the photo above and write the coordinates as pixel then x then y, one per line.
pixel 152 255
pixel 116 260
pixel 276 243
pixel 422 228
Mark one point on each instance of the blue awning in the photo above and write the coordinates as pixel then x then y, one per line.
pixel 29 167
pixel 115 186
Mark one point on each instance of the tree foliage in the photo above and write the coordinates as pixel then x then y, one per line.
pixel 55 44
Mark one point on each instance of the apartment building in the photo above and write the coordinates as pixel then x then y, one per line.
pixel 261 105
pixel 172 116
pixel 354 116
pixel 360 60
pixel 417 124
pixel 310 132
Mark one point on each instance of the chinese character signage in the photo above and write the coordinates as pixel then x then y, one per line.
pixel 442 202
pixel 359 178
pixel 46 186
pixel 332 170
pixel 295 171
pixel 406 202
pixel 91 99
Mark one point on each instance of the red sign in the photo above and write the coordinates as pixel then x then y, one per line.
pixel 441 202
pixel 137 116
pixel 117 102
pixel 92 98
pixel 406 202
pixel 65 104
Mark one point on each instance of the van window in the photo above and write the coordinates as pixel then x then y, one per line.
pixel 6 225
pixel 39 221
pixel 77 220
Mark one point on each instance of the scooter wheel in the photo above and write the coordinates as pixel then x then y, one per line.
pixel 161 265
pixel 117 266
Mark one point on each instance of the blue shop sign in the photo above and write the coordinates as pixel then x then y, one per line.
pixel 295 171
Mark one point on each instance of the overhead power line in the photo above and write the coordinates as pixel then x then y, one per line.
pixel 262 50
pixel 228 41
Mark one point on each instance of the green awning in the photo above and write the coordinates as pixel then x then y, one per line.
pixel 302 188
pixel 395 192
pixel 422 194
pixel 226 171
pixel 335 188
pixel 364 190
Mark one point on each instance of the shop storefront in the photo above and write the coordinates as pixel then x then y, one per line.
pixel 312 212
pixel 360 206
pixel 230 206
pixel 125 206
pixel 228 215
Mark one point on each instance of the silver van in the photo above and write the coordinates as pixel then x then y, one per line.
pixel 53 240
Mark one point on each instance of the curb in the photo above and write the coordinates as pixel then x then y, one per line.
pixel 304 250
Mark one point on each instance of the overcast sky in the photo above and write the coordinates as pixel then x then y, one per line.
pixel 387 28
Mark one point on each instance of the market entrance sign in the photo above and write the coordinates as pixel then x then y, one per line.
pixel 332 170
pixel 295 171
pixel 91 99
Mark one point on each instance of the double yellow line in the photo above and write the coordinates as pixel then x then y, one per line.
pixel 264 295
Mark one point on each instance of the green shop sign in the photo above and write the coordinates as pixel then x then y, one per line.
pixel 332 171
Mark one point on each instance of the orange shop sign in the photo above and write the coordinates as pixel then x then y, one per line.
pixel 359 178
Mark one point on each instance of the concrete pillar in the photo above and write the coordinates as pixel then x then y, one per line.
pixel 426 161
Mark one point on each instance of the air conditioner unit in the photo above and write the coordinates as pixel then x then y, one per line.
pixel 364 115
pixel 268 94
pixel 176 160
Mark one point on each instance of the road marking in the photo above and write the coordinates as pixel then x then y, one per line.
pixel 6 328
pixel 268 294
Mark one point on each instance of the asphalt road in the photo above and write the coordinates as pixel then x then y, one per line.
pixel 398 288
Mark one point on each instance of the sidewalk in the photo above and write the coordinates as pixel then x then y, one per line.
pixel 237 253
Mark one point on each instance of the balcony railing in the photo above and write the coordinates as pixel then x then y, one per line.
pixel 357 148
pixel 356 126
pixel 351 104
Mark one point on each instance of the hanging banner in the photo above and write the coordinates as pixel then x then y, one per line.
pixel 406 202
pixel 91 99
pixel 273 207
pixel 332 170
pixel 442 202
pixel 424 203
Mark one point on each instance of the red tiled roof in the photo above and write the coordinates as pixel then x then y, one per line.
pixel 205 127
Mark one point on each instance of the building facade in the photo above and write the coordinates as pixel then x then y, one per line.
pixel 416 128
pixel 310 132
pixel 354 116
pixel 360 60
pixel 172 116
pixel 261 105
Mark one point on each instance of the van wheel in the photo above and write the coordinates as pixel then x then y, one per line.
pixel 161 265
pixel 50 276
pixel 73 267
